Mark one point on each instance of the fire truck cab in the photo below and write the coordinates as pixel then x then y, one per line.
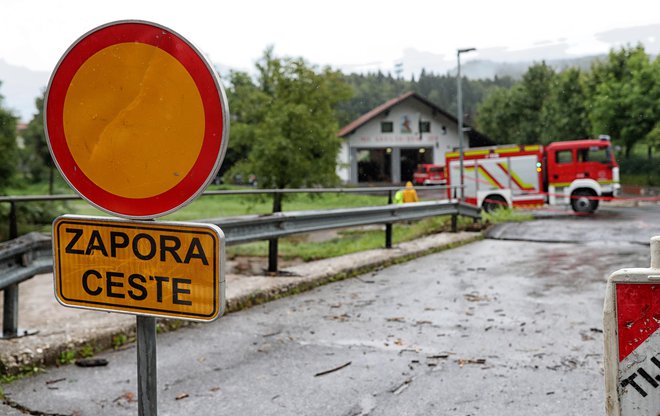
pixel 429 174
pixel 579 173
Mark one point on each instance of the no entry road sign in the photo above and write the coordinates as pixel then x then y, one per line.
pixel 632 339
pixel 146 268
pixel 136 119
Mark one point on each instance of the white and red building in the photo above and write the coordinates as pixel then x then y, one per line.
pixel 386 144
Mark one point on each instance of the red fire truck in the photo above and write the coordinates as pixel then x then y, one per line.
pixel 578 172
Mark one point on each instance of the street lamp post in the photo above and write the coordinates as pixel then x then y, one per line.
pixel 460 118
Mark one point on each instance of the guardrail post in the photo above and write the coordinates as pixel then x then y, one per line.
pixel 10 312
pixel 272 255
pixel 273 243
pixel 388 226
pixel 10 305
pixel 454 223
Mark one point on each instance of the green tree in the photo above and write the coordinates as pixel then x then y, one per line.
pixel 564 114
pixel 653 137
pixel 371 90
pixel 498 115
pixel 38 163
pixel 514 115
pixel 246 110
pixel 537 83
pixel 623 96
pixel 8 148
pixel 287 123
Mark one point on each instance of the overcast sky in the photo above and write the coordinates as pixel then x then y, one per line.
pixel 352 35
pixel 349 35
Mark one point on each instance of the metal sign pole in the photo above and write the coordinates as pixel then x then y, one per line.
pixel 459 95
pixel 146 366
pixel 128 39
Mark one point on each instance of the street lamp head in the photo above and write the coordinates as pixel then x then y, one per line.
pixel 460 51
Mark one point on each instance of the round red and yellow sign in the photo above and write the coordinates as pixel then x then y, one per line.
pixel 136 119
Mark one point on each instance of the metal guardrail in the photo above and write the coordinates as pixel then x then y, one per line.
pixel 387 191
pixel 255 228
pixel 21 259
pixel 31 254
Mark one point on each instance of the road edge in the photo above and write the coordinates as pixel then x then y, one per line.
pixel 21 359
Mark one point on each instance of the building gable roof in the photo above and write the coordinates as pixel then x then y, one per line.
pixel 365 118
pixel 476 138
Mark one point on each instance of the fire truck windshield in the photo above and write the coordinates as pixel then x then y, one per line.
pixel 601 154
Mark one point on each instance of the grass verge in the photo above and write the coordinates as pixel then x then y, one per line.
pixel 505 215
pixel 347 241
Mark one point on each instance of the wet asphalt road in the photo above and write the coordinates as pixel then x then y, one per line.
pixel 511 325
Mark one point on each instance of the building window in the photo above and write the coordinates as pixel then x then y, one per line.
pixel 424 126
pixel 386 127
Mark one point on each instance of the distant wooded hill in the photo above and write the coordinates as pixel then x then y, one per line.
pixel 373 89
pixel 21 86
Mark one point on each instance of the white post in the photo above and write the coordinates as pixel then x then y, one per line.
pixel 632 340
pixel 655 252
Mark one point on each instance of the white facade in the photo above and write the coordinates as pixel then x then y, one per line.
pixel 404 146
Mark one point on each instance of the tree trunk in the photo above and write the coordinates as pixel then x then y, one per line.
pixel 277 202
pixel 51 180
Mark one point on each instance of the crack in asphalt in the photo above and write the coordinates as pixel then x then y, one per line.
pixel 540 240
pixel 27 410
pixel 511 232
pixel 533 240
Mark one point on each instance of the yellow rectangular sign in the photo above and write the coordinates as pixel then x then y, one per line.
pixel 164 269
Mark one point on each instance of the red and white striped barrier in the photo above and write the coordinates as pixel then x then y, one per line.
pixel 631 319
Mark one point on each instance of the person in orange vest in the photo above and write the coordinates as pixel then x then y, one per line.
pixel 409 194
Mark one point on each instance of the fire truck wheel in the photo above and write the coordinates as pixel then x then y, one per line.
pixel 493 202
pixel 584 201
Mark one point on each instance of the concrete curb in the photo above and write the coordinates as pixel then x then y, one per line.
pixel 65 333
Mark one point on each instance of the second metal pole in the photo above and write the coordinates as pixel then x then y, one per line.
pixel 273 243
pixel 146 366
pixel 388 226
pixel 459 94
